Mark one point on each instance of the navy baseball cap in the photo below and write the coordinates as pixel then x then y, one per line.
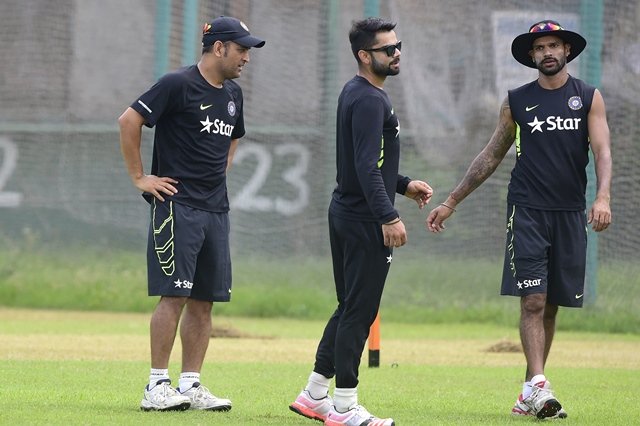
pixel 226 28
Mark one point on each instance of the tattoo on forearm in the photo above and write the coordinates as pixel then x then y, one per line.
pixel 490 157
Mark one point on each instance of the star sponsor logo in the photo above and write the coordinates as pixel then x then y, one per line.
pixel 389 258
pixel 554 123
pixel 216 126
pixel 531 108
pixel 203 106
pixel 182 284
pixel 207 125
pixel 528 283
pixel 536 126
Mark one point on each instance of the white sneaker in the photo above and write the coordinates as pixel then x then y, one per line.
pixel 357 416
pixel 162 397
pixel 315 409
pixel 542 403
pixel 522 409
pixel 202 399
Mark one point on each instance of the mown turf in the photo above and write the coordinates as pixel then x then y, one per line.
pixel 62 367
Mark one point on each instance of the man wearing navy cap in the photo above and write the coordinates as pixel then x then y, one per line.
pixel 553 121
pixel 198 115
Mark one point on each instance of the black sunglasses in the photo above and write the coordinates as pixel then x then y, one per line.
pixel 390 49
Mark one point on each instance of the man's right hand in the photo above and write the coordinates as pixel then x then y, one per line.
pixel 435 220
pixel 156 186
pixel 395 235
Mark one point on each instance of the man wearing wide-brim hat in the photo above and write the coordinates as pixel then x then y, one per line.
pixel 553 121
pixel 522 46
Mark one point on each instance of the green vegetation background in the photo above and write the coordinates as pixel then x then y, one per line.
pixel 418 290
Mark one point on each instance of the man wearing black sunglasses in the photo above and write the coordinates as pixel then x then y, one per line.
pixel 364 225
pixel 389 49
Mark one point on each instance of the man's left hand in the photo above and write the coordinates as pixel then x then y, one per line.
pixel 600 215
pixel 419 191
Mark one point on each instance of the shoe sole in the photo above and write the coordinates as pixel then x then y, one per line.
pixel 306 412
pixel 520 413
pixel 365 423
pixel 550 409
pixel 218 408
pixel 181 407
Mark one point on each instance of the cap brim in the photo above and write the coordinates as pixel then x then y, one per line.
pixel 522 44
pixel 249 41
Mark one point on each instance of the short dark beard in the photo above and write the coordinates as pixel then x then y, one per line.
pixel 553 71
pixel 381 70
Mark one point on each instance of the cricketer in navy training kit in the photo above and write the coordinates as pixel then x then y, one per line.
pixel 364 225
pixel 553 121
pixel 198 116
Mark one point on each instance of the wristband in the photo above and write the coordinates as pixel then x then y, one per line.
pixel 447 206
pixel 394 222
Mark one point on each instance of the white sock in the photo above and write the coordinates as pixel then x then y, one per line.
pixel 344 399
pixel 318 385
pixel 157 374
pixel 526 390
pixel 187 379
pixel 537 379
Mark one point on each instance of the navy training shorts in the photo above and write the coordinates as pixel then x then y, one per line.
pixel 545 253
pixel 188 252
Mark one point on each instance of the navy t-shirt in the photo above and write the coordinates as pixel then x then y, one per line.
pixel 552 145
pixel 195 123
pixel 367 154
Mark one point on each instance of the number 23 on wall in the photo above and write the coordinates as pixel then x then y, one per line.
pixel 249 196
pixel 8 161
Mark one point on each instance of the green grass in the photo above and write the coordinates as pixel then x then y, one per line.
pixel 43 386
pixel 103 393
pixel 418 289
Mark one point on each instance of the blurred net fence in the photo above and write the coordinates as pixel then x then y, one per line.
pixel 70 68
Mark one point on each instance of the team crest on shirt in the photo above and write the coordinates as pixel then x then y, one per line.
pixel 231 108
pixel 575 103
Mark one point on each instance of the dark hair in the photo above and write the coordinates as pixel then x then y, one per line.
pixel 209 48
pixel 363 33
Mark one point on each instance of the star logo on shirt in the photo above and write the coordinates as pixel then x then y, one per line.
pixel 178 283
pixel 207 125
pixel 389 258
pixel 536 125
pixel 398 129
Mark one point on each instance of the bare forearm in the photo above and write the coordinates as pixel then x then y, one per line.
pixel 130 123
pixel 603 174
pixel 601 146
pixel 130 141
pixel 480 169
pixel 489 158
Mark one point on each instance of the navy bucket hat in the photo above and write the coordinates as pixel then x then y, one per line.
pixel 523 44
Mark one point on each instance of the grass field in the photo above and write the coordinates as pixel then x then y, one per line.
pixel 69 367
pixel 418 290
